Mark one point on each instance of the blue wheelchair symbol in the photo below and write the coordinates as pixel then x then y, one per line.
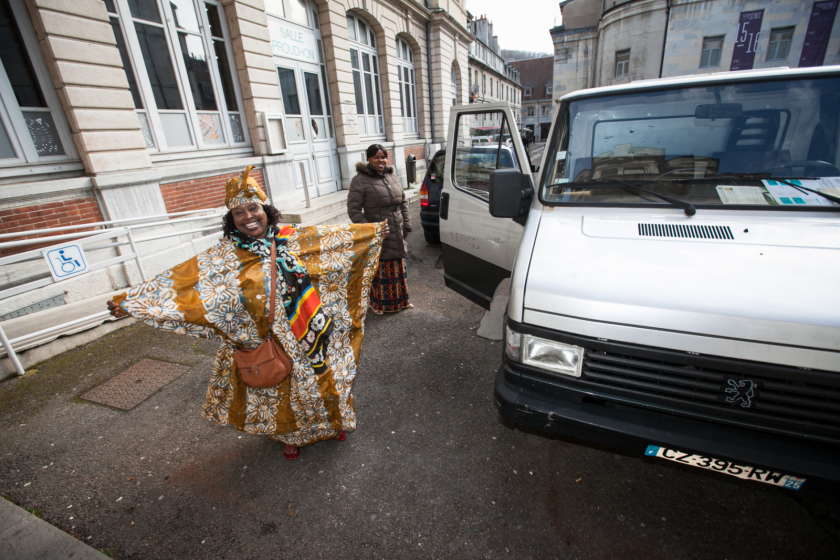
pixel 66 261
pixel 67 264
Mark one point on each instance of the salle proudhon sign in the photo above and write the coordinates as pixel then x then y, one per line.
pixel 290 41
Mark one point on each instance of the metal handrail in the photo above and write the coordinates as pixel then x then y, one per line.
pixel 143 239
pixel 66 236
pixel 114 233
pixel 107 223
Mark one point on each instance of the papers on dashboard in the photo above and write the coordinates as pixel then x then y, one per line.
pixel 787 195
pixel 741 195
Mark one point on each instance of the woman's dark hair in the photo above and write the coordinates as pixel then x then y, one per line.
pixel 373 148
pixel 272 213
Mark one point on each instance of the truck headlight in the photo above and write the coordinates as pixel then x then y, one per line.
pixel 552 355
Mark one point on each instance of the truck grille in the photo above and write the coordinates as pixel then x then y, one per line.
pixel 801 401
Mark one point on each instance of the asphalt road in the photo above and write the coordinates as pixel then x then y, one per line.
pixel 430 473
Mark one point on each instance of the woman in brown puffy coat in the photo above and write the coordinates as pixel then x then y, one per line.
pixel 376 196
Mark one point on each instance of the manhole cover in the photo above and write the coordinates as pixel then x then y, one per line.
pixel 136 384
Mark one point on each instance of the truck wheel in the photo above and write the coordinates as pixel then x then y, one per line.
pixel 431 238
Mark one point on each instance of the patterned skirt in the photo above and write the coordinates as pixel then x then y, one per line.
pixel 388 292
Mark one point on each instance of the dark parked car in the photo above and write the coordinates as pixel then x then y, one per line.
pixel 473 161
pixel 430 198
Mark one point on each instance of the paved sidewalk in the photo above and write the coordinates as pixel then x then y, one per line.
pixel 429 473
pixel 23 537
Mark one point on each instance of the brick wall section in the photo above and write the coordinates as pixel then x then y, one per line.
pixel 197 194
pixel 419 151
pixel 81 210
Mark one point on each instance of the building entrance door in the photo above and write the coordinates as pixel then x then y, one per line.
pixel 309 130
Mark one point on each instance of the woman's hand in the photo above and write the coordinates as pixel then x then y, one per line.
pixel 385 230
pixel 405 233
pixel 116 310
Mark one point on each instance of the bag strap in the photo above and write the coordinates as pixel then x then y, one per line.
pixel 273 287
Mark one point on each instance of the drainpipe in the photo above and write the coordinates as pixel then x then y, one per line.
pixel 429 69
pixel 665 38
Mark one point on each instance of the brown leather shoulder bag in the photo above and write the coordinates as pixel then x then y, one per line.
pixel 266 365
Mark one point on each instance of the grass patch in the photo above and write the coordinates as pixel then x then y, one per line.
pixel 39 513
pixel 109 552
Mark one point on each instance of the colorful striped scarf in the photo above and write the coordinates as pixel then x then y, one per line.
pixel 310 325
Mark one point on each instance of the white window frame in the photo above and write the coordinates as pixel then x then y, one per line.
pixel 622 67
pixel 773 46
pixel 26 157
pixel 528 90
pixel 453 78
pixel 548 88
pixel 530 111
pixel 281 8
pixel 152 113
pixel 307 10
pixel 709 53
pixel 372 119
pixel 408 87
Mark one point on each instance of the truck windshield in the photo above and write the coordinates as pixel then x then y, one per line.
pixel 742 144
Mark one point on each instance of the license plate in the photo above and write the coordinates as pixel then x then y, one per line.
pixel 741 471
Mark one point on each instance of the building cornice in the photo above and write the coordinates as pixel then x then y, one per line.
pixel 442 18
pixel 563 32
pixel 631 8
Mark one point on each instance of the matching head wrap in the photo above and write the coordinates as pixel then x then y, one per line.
pixel 243 190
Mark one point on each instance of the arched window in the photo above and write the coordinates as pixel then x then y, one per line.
pixel 454 85
pixel 408 90
pixel 188 105
pixel 32 125
pixel 365 65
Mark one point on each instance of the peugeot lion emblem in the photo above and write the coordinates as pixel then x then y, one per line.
pixel 740 390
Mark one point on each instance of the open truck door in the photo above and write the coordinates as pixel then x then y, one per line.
pixel 486 193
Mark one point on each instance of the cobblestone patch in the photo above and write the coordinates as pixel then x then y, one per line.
pixel 136 384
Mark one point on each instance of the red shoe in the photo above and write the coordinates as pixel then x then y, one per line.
pixel 341 437
pixel 291 453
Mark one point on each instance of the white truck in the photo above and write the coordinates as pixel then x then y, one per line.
pixel 674 264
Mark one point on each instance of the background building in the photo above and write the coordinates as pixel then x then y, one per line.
pixel 537 85
pixel 117 109
pixel 146 106
pixel 490 78
pixel 602 43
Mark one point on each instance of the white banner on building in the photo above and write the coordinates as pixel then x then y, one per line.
pixel 290 41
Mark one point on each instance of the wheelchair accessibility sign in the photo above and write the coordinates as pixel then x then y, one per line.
pixel 66 261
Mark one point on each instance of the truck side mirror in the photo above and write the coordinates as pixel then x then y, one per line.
pixel 510 193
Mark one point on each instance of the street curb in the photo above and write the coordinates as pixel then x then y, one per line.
pixel 25 537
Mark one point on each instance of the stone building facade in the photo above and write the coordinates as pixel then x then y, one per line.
pixel 490 78
pixel 602 43
pixel 537 93
pixel 123 108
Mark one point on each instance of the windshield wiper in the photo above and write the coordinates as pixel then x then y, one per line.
pixel 689 209
pixel 802 189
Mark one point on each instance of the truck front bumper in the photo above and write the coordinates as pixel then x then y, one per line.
pixel 631 426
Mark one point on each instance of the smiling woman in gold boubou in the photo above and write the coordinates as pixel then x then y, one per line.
pixel 323 278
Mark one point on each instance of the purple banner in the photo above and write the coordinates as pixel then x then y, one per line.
pixel 747 40
pixel 819 31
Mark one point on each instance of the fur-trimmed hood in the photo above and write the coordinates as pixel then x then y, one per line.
pixel 362 167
